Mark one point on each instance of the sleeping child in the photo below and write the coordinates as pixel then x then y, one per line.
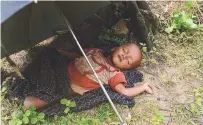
pixel 108 69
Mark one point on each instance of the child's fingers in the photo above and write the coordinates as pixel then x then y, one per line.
pixel 150 90
pixel 151 86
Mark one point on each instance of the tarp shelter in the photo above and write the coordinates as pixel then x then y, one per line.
pixel 25 23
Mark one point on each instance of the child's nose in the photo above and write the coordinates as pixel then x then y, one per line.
pixel 124 56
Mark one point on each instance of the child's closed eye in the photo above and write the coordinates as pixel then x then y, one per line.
pixel 124 50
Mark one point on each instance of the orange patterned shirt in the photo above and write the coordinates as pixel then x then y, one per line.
pixel 82 77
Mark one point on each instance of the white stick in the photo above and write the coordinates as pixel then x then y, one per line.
pixel 95 74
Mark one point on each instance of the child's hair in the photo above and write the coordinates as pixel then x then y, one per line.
pixel 106 46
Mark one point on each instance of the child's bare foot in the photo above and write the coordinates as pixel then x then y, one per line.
pixel 147 88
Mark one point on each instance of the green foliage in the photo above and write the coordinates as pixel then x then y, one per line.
pixel 149 57
pixel 88 121
pixel 197 107
pixel 148 112
pixel 104 112
pixel 23 117
pixel 4 88
pixel 80 118
pixel 108 35
pixel 189 4
pixel 157 117
pixel 181 21
pixel 67 103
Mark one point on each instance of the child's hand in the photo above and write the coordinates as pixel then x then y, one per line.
pixel 148 88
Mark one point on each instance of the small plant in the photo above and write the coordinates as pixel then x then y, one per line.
pixel 23 117
pixel 157 117
pixel 104 112
pixel 68 103
pixel 197 107
pixel 149 57
pixel 4 88
pixel 88 121
pixel 181 21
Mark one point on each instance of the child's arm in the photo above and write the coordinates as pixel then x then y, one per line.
pixel 120 88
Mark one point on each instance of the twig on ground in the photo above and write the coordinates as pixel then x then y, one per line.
pixel 165 110
pixel 198 18
pixel 169 121
pixel 198 8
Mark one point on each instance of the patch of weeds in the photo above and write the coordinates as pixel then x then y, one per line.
pixel 30 116
pixel 75 118
pixel 107 34
pixel 68 104
pixel 149 58
pixel 148 112
pixel 182 115
pixel 104 112
pixel 4 89
pixel 186 113
pixel 166 79
pixel 157 117
pixel 197 107
pixel 87 121
pixel 183 19
pixel 82 118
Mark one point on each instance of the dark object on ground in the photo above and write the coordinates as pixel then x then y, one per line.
pixel 46 78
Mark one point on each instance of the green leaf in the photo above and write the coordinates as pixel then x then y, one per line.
pixel 27 112
pixel 67 110
pixel 19 122
pixel 189 3
pixel 25 120
pixel 32 108
pixel 72 104
pixel 189 21
pixel 144 49
pixel 201 25
pixel 64 101
pixel 34 120
pixel 41 116
pixel 13 122
pixel 17 114
pixel 193 26
pixel 3 89
pixel 169 29
pixel 33 114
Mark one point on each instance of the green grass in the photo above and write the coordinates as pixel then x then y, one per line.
pixel 148 112
pixel 189 113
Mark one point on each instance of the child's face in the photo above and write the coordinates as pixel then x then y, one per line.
pixel 126 56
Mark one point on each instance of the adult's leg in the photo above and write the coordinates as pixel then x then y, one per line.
pixel 38 103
